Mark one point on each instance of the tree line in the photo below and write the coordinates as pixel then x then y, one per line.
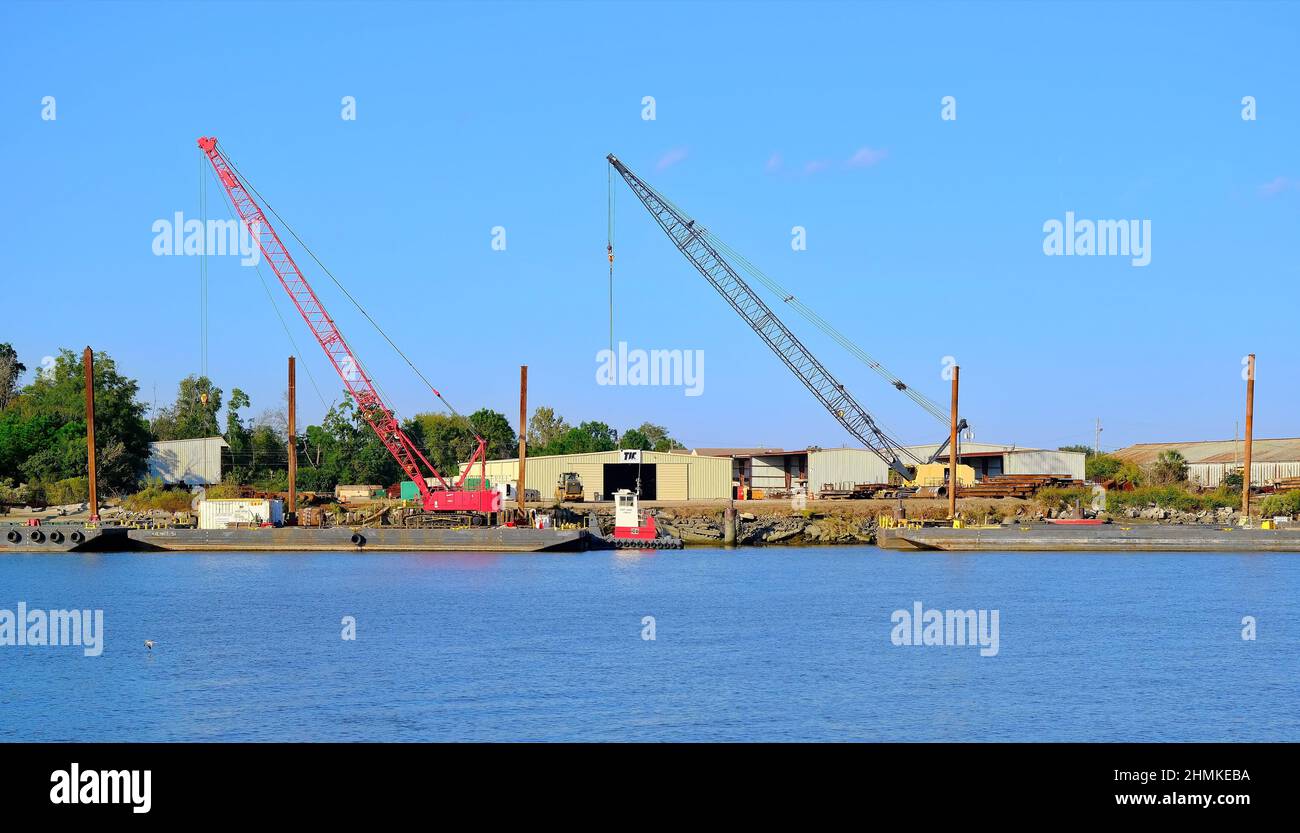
pixel 43 456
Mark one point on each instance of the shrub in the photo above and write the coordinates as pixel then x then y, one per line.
pixel 1169 497
pixel 1101 467
pixel 223 491
pixel 1055 498
pixel 11 495
pixel 69 490
pixel 157 496
pixel 1130 474
pixel 1281 503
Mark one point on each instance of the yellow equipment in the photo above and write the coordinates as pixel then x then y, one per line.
pixel 569 488
pixel 929 475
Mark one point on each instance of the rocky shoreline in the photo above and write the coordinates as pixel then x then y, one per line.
pixel 858 522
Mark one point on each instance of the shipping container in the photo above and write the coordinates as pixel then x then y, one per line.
pixel 360 492
pixel 219 514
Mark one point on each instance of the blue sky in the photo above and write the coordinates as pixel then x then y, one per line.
pixel 475 116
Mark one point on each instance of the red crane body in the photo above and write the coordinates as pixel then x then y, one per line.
pixel 448 498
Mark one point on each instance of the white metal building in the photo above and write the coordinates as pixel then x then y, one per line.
pixel 1207 462
pixel 190 462
pixel 836 467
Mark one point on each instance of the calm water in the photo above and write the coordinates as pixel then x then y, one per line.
pixel 786 644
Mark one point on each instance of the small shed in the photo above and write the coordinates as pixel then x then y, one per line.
pixel 195 462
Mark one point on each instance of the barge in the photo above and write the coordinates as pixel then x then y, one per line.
pixel 1099 538
pixel 295 539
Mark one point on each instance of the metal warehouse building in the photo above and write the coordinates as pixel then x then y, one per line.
pixel 664 475
pixel 1208 462
pixel 838 466
pixel 771 469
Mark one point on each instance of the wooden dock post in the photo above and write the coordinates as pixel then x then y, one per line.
pixel 88 362
pixel 523 437
pixel 292 509
pixel 952 449
pixel 1250 428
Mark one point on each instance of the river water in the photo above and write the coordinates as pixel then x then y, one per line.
pixel 749 644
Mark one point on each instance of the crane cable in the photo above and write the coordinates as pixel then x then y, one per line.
pixel 807 313
pixel 810 315
pixel 609 250
pixel 203 270
pixel 244 179
pixel 271 298
pixel 929 405
pixel 289 333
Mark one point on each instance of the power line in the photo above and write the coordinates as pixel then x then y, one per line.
pixel 346 294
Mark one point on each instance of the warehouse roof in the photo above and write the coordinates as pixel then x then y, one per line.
pixel 648 456
pixel 1285 450
pixel 745 452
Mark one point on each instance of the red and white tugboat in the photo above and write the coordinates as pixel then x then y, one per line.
pixel 635 531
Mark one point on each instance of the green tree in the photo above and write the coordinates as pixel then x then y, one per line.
pixel 193 414
pixel 502 442
pixel 1169 467
pixel 587 437
pixel 658 437
pixel 236 432
pixel 545 427
pixel 635 438
pixel 43 431
pixel 1101 467
pixel 448 441
pixel 10 370
pixel 1086 450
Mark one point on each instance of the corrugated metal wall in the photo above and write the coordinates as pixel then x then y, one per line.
pixel 1211 474
pixel 192 462
pixel 673 481
pixel 767 473
pixel 839 466
pixel 706 478
pixel 836 466
pixel 1046 462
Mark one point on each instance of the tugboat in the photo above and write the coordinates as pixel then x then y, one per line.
pixel 634 531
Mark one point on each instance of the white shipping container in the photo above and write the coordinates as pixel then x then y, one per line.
pixel 218 514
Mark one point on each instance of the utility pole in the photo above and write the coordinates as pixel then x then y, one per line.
pixel 88 361
pixel 523 436
pixel 952 449
pixel 1096 442
pixel 292 519
pixel 1250 429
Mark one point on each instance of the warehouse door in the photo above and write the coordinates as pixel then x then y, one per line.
pixel 623 476
pixel 672 483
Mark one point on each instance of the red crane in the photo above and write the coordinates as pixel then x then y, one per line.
pixel 448 504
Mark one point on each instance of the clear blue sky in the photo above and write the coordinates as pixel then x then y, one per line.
pixel 470 117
